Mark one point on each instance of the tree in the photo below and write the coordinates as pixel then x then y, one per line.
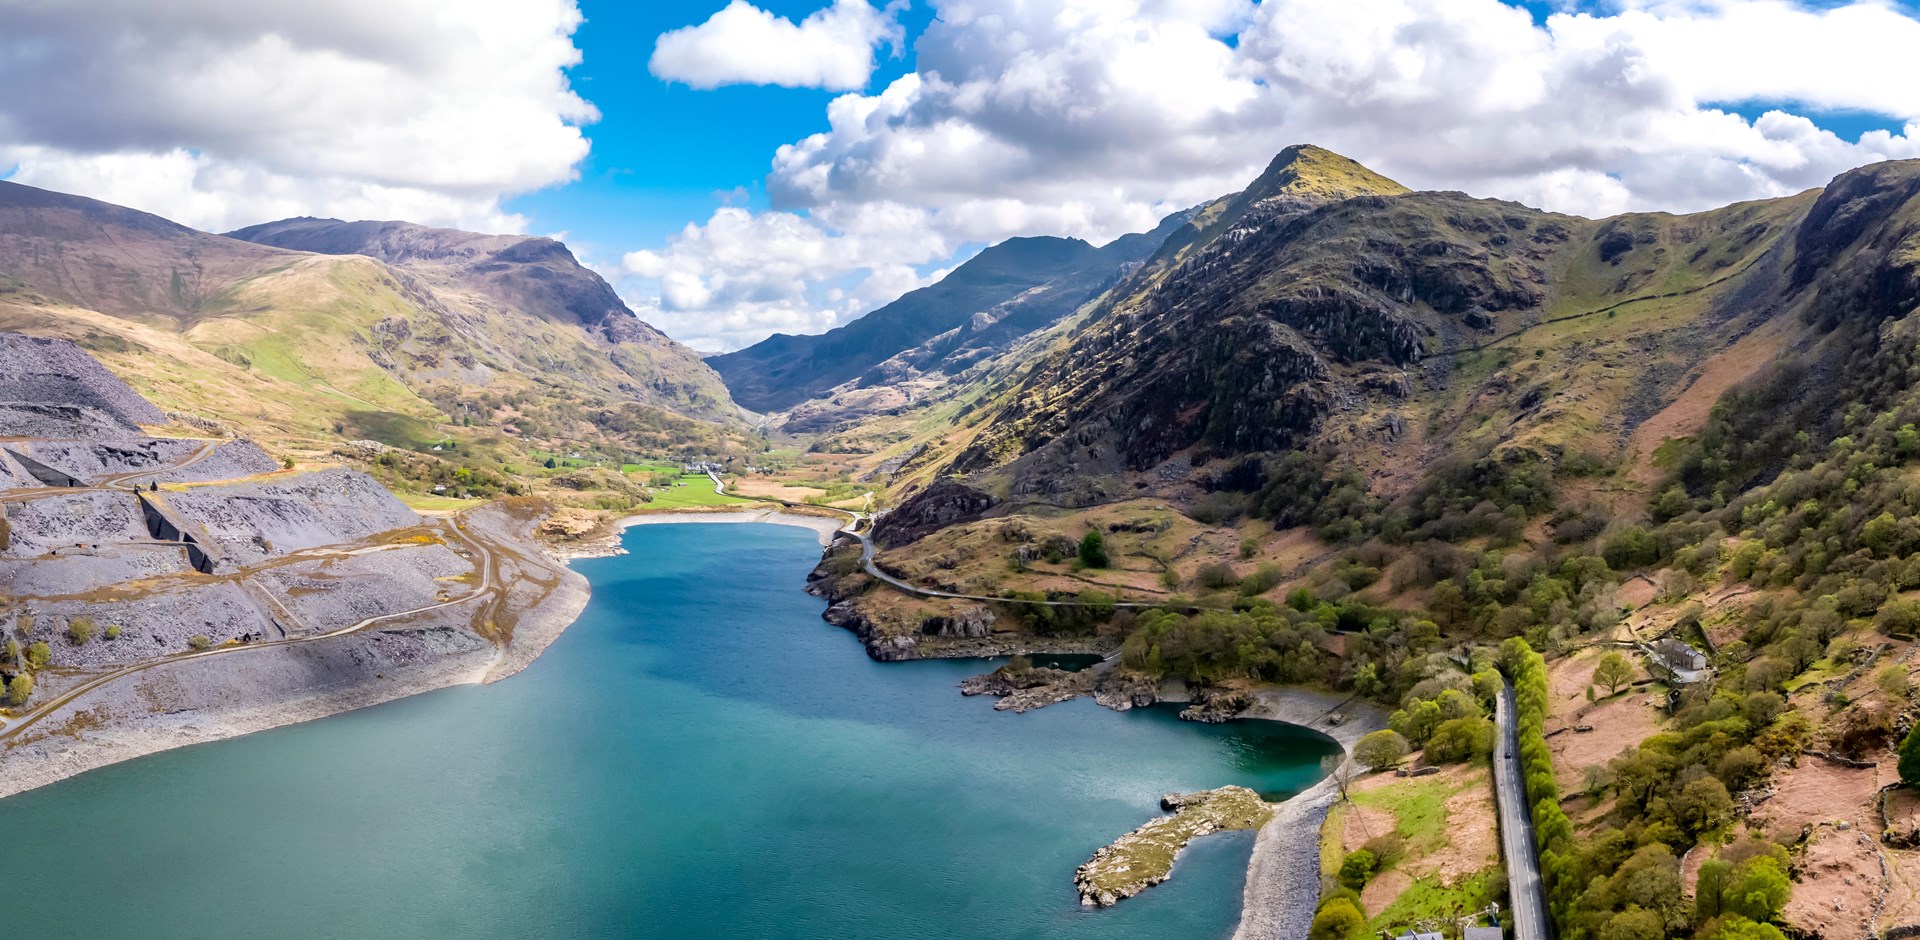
pixel 1460 739
pixel 80 630
pixel 1910 758
pixel 39 654
pixel 1613 671
pixel 1634 923
pixel 1357 868
pixel 1740 928
pixel 1758 890
pixel 1714 874
pixel 1381 749
pixel 1703 806
pixel 552 464
pixel 1338 919
pixel 19 689
pixel 1093 549
pixel 1342 772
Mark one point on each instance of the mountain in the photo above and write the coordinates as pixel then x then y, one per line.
pixel 390 331
pixel 1288 318
pixel 1007 291
pixel 1399 445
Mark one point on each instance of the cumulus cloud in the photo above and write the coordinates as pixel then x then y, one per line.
pixel 745 45
pixel 1096 117
pixel 220 114
pixel 743 275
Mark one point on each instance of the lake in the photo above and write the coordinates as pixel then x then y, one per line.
pixel 699 756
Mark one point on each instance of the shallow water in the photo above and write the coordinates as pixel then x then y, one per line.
pixel 699 756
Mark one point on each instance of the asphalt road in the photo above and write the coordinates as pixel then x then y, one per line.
pixel 1527 896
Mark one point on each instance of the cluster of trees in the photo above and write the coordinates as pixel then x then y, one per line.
pixel 1447 715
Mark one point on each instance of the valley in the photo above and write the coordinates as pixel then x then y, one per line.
pixel 1592 543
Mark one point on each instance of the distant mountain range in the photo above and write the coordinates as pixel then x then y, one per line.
pixel 977 312
pixel 382 330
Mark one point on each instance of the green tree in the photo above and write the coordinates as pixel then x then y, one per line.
pixel 1758 890
pixel 80 630
pixel 1910 758
pixel 1459 739
pixel 19 689
pixel 552 464
pixel 1338 919
pixel 1613 671
pixel 1357 868
pixel 1714 874
pixel 39 654
pixel 1380 749
pixel 1740 928
pixel 1093 549
pixel 1634 923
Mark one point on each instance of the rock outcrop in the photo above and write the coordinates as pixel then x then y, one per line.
pixel 1144 857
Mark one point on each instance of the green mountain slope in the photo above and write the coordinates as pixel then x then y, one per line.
pixel 504 342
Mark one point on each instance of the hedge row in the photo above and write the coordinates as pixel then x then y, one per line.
pixel 1551 828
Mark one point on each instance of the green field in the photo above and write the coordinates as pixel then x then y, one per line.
pixel 697 490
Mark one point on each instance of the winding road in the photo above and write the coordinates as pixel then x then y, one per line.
pixel 1524 890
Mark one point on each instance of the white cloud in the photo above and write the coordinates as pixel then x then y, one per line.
pixel 745 45
pixel 741 275
pixel 220 114
pixel 1096 117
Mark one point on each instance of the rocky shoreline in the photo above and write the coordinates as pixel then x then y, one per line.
pixel 1283 876
pixel 195 701
pixel 1144 857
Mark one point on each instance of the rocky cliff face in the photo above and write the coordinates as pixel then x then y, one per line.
pixel 1330 311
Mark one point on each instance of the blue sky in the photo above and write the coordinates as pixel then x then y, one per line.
pixel 665 154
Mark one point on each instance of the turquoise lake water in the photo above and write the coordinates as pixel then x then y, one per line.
pixel 699 756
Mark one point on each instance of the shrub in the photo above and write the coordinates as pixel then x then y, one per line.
pixel 1093 549
pixel 1358 867
pixel 113 631
pixel 1380 749
pixel 39 654
pixel 1249 547
pixel 80 630
pixel 1388 849
pixel 1261 581
pixel 1217 576
pixel 19 689
pixel 199 641
pixel 1910 758
pixel 1338 919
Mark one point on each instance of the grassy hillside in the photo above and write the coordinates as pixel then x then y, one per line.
pixel 1379 440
